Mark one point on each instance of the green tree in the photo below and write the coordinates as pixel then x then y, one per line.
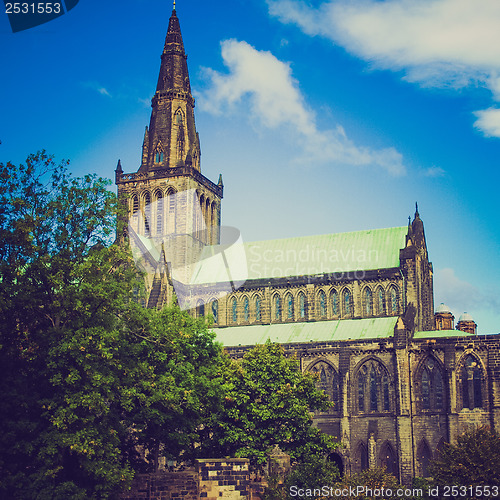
pixel 86 374
pixel 267 401
pixel 473 461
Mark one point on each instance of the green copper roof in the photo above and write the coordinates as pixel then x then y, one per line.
pixel 318 331
pixel 436 334
pixel 306 256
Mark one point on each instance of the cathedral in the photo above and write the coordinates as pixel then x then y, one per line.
pixel 355 308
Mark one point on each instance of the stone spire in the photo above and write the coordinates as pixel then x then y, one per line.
pixel 171 137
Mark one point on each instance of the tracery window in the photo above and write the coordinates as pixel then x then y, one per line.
pixel 322 304
pixel 368 302
pixel 246 309
pixel 159 156
pixel 328 381
pixel 335 303
pixel 289 302
pixel 472 381
pixel 234 307
pixel 373 388
pixel 432 386
pixel 215 311
pixel 302 305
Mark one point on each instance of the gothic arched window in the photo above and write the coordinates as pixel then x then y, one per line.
pixel 322 304
pixel 215 311
pixel 246 309
pixel 277 307
pixel 368 302
pixel 380 301
pixel 335 303
pixel 159 156
pixel 135 205
pixel 147 214
pixel 472 381
pixel 328 382
pixel 394 300
pixel 258 311
pixel 347 303
pixel 171 201
pixel 159 213
pixel 302 305
pixel 201 309
pixel 234 307
pixel 432 386
pixel 373 388
pixel 289 303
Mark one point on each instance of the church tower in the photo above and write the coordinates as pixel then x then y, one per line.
pixel 172 207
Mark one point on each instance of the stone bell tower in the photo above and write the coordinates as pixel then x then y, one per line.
pixel 173 209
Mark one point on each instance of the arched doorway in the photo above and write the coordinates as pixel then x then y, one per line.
pixel 337 460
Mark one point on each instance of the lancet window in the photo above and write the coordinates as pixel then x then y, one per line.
pixel 432 386
pixel 302 305
pixel 335 303
pixel 258 309
pixel 328 381
pixel 322 304
pixel 472 382
pixel 374 393
pixel 246 309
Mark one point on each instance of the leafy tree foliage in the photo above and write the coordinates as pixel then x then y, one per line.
pixel 473 461
pixel 267 400
pixel 87 375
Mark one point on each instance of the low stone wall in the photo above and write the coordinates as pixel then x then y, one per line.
pixel 213 479
pixel 223 478
pixel 164 486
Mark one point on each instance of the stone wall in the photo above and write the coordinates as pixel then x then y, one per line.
pixel 164 486
pixel 212 479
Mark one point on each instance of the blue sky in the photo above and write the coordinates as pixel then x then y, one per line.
pixel 322 116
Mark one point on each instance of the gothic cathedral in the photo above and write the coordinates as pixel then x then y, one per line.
pixel 356 308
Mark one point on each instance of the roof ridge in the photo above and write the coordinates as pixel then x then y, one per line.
pixel 405 228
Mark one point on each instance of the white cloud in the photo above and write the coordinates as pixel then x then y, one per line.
pixel 462 296
pixel 434 172
pixel 103 91
pixel 488 121
pixel 97 87
pixel 452 43
pixel 275 101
